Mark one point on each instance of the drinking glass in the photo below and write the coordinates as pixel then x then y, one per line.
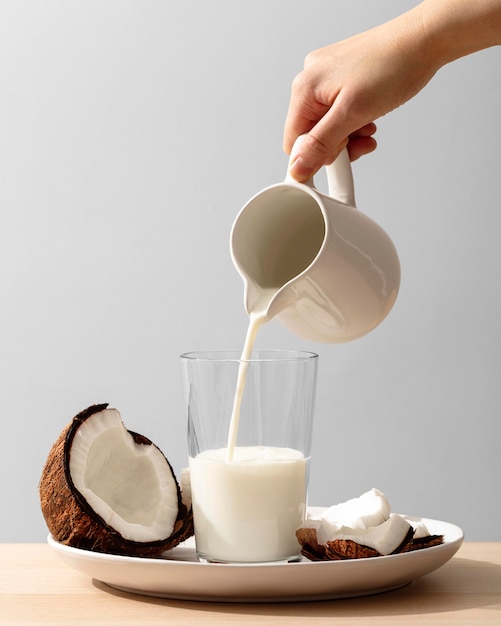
pixel 249 483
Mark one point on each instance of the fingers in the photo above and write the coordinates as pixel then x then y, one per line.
pixel 324 121
pixel 362 142
pixel 366 131
pixel 309 154
pixel 307 157
pixel 304 111
pixel 324 141
pixel 359 146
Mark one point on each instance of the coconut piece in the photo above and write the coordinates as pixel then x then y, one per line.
pixel 362 527
pixel 424 542
pixel 390 537
pixel 420 528
pixel 310 548
pixel 107 489
pixel 422 537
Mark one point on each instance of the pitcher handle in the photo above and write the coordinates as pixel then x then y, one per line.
pixel 340 179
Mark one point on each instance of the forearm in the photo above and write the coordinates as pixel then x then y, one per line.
pixel 451 29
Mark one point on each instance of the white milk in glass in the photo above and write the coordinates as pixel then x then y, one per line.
pixel 248 501
pixel 248 509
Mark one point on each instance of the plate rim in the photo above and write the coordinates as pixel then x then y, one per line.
pixel 456 532
pixel 193 581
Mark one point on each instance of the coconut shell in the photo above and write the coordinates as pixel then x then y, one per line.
pixel 70 519
pixel 348 549
pixel 424 542
pixel 310 548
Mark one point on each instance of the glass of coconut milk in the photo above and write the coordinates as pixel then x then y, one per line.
pixel 249 447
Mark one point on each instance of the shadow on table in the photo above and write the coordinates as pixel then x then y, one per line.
pixel 460 589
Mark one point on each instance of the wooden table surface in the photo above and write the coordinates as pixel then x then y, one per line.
pixel 37 588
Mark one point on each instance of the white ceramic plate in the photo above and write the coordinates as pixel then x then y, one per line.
pixel 179 575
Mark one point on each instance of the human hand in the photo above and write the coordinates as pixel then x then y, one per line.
pixel 358 143
pixel 344 87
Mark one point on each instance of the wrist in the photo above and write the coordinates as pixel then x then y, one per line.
pixel 455 28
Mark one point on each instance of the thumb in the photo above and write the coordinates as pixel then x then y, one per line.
pixel 309 154
pixel 319 147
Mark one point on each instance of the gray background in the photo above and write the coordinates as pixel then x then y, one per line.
pixel 131 133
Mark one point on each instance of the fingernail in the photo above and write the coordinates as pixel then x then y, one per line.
pixel 301 170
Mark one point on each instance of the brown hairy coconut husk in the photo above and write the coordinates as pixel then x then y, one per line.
pixel 107 489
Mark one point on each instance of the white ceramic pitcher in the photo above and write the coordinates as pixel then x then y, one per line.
pixel 324 268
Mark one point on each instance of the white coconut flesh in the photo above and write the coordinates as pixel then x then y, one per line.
pixel 385 538
pixel 129 485
pixel 186 487
pixel 370 509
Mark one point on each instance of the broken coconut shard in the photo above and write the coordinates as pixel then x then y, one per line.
pixel 362 527
pixel 107 489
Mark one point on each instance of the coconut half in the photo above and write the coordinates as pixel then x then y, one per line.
pixel 107 489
